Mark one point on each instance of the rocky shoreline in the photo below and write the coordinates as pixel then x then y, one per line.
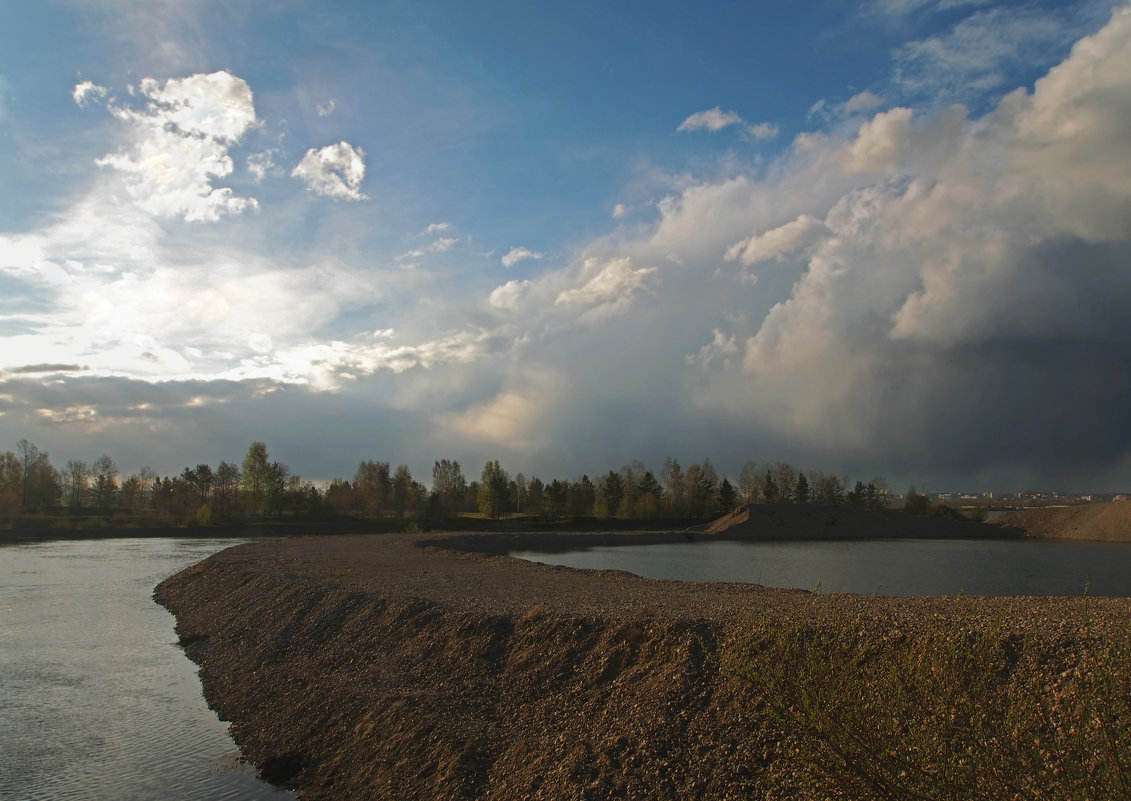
pixel 405 667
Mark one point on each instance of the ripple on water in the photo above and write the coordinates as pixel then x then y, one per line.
pixel 97 700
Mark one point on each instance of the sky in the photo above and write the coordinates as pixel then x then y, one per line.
pixel 885 238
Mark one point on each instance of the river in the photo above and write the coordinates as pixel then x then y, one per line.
pixel 876 567
pixel 97 701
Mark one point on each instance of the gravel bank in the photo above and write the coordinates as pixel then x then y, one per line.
pixel 1097 522
pixel 382 668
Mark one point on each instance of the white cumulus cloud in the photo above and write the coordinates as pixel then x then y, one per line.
pixel 334 171
pixel 508 295
pixel 827 111
pixel 517 254
pixel 259 164
pixel 608 286
pixel 798 234
pixel 441 245
pixel 182 135
pixel 763 130
pixel 88 92
pixel 721 347
pixel 861 102
pixel 325 366
pixel 715 119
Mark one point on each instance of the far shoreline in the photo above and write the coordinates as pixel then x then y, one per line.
pixel 1099 522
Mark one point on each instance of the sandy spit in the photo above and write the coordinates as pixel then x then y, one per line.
pixel 403 667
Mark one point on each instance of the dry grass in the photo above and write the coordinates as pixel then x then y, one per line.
pixel 536 612
pixel 964 708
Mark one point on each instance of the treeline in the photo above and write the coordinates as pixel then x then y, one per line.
pixel 636 493
pixel 260 488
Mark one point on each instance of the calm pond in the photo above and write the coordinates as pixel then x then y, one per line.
pixel 876 567
pixel 96 699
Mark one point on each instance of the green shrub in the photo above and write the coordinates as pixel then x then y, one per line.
pixel 942 510
pixel 916 503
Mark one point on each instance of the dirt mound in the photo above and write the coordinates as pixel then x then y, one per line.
pixel 1100 522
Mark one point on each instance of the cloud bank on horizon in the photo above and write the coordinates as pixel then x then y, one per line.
pixel 923 274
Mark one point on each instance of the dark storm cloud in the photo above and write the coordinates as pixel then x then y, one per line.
pixel 32 369
pixel 171 424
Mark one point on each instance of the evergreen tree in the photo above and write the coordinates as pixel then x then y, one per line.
pixel 609 492
pixel 535 496
pixel 801 489
pixel 650 495
pixel 582 496
pixel 770 487
pixel 727 495
pixel 557 498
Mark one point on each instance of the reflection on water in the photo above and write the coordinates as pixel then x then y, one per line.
pixel 883 567
pixel 96 699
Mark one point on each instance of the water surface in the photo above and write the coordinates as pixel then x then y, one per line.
pixel 882 567
pixel 96 699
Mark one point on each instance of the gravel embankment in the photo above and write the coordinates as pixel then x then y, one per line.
pixel 372 667
pixel 1096 522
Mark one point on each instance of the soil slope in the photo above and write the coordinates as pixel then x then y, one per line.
pixel 1101 522
pixel 380 667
